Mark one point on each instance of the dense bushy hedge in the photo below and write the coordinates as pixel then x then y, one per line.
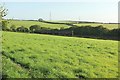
pixel 82 31
pixel 98 31
pixel 88 30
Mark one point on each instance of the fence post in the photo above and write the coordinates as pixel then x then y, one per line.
pixel 72 32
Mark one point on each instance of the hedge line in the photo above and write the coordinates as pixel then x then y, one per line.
pixel 82 31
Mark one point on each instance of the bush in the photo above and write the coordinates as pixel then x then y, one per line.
pixel 101 31
pixel 13 28
pixel 114 32
pixel 34 28
pixel 89 31
pixel 40 20
pixel 22 29
pixel 4 25
pixel 62 28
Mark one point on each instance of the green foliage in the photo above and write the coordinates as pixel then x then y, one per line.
pixel 62 28
pixel 22 29
pixel 4 25
pixel 13 28
pixel 46 56
pixel 91 30
pixel 34 28
pixel 40 20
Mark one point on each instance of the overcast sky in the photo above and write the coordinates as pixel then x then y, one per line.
pixel 84 10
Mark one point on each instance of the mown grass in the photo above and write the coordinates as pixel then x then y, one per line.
pixel 47 56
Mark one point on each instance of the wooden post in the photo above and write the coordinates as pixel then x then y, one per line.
pixel 72 33
pixel 0 23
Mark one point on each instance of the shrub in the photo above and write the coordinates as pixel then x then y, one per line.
pixel 4 25
pixel 13 28
pixel 62 28
pixel 101 31
pixel 34 28
pixel 114 32
pixel 22 29
pixel 40 20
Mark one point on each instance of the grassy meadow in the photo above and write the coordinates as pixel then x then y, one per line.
pixel 27 55
pixel 30 23
pixel 56 26
pixel 109 26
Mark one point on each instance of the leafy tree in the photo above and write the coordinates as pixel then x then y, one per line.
pixel 13 28
pixel 34 28
pixel 3 13
pixel 22 29
pixel 40 19
pixel 4 25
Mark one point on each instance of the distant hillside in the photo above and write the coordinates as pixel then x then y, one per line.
pixel 59 24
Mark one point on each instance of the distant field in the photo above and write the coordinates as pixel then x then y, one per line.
pixel 29 23
pixel 57 26
pixel 37 55
pixel 109 26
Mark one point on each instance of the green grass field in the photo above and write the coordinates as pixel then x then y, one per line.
pixel 109 26
pixel 56 26
pixel 46 56
pixel 29 23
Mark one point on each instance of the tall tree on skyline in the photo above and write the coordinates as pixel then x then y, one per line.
pixel 3 13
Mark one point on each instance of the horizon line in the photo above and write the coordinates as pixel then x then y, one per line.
pixel 64 20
